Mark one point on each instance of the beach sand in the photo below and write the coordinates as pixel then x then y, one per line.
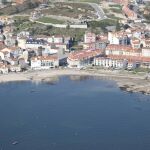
pixel 125 80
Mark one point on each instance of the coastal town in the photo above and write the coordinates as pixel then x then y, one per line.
pixel 75 74
pixel 123 44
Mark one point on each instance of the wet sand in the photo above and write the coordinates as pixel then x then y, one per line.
pixel 125 80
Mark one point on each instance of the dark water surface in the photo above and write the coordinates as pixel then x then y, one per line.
pixel 73 115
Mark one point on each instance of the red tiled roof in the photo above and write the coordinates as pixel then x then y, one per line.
pixel 128 12
pixel 84 54
pixel 136 41
pixel 147 41
pixel 120 47
pixel 9 49
pixel 51 57
pixel 130 58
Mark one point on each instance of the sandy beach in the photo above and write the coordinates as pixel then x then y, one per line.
pixel 125 80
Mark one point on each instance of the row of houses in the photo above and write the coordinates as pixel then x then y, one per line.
pixel 122 62
pixel 5 69
pixel 15 59
pixel 125 49
pixel 113 58
pixel 117 63
pixel 52 42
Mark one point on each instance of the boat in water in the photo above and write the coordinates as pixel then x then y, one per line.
pixel 15 143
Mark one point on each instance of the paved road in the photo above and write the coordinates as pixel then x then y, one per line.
pixel 99 11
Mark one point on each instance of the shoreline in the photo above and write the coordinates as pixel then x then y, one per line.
pixel 125 80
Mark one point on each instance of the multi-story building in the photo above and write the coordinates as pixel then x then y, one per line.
pixel 146 52
pixel 82 58
pixel 34 43
pixel 113 49
pixel 110 62
pixel 89 37
pixel 44 62
pixel 119 38
pixel 56 39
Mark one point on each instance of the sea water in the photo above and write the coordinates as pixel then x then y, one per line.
pixel 86 114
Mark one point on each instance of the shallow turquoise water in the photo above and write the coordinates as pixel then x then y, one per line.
pixel 89 114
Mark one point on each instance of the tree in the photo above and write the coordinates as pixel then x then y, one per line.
pixel 118 26
pixel 4 1
pixel 16 43
pixel 49 27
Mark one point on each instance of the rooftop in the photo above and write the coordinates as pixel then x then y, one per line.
pixel 51 57
pixel 84 54
pixel 120 47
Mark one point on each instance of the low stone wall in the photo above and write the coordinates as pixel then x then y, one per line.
pixel 54 25
pixel 82 26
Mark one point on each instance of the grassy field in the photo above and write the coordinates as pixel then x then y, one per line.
pixel 106 10
pixel 115 5
pixel 141 70
pixel 50 20
pixel 112 16
pixel 22 23
pixel 21 18
pixel 13 9
pixel 104 23
pixel 1 13
pixel 73 10
pixel 116 10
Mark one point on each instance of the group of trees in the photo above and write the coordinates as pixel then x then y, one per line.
pixel 3 1
pixel 104 23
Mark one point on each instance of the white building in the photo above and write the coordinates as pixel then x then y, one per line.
pixel 118 38
pixel 89 37
pixel 15 68
pixel 146 52
pixel 22 43
pixel 35 43
pixel 119 50
pixel 111 62
pixel 46 62
pixel 2 56
pixel 112 38
pixel 56 39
